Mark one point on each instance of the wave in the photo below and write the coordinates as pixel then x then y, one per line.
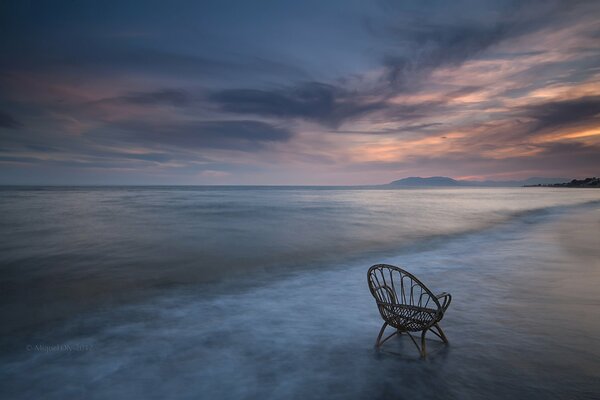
pixel 109 245
pixel 310 335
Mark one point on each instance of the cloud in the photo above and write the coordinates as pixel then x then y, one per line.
pixel 239 135
pixel 43 149
pixel 153 157
pixel 209 173
pixel 437 46
pixel 93 57
pixel 475 87
pixel 427 38
pixel 172 97
pixel 7 121
pixel 403 129
pixel 553 159
pixel 324 103
pixel 560 114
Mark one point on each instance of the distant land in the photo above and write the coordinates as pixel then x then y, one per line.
pixel 438 181
pixel 575 183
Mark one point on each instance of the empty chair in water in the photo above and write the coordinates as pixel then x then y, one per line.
pixel 406 304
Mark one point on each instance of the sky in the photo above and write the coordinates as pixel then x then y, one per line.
pixel 335 92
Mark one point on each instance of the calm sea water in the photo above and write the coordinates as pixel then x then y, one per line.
pixel 245 292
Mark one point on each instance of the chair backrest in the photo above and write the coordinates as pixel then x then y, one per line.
pixel 392 285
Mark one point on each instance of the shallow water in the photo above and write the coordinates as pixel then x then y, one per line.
pixel 521 264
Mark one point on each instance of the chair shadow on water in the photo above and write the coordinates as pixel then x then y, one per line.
pixel 407 306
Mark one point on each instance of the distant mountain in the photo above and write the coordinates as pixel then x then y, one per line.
pixel 437 181
pixel 431 181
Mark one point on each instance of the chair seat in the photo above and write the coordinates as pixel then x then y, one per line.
pixel 411 319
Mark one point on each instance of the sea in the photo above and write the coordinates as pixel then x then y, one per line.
pixel 249 292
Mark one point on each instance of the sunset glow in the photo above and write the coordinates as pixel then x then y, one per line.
pixel 364 94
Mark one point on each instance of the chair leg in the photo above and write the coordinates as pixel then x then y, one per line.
pixel 423 348
pixel 415 343
pixel 378 343
pixel 441 334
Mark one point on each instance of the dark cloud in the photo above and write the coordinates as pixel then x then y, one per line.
pixel 559 114
pixel 93 56
pixel 18 159
pixel 7 121
pixel 154 157
pixel 327 104
pixel 90 162
pixel 436 46
pixel 41 148
pixel 238 135
pixel 426 41
pixel 173 97
pixel 412 128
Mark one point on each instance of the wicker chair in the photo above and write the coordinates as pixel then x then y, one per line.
pixel 406 304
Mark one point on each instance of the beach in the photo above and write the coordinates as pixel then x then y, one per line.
pixel 262 293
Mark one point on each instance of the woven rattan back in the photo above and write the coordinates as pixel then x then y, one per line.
pixel 392 285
